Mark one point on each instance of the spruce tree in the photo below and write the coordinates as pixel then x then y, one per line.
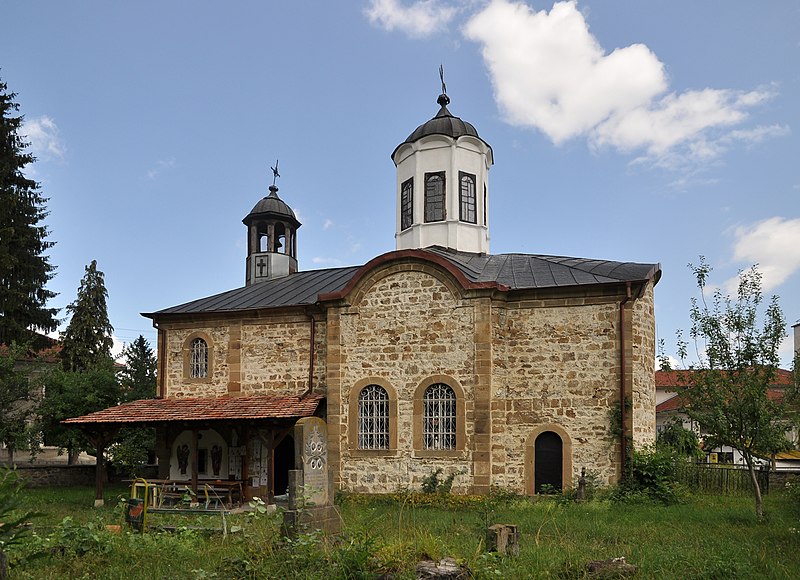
pixel 87 340
pixel 138 378
pixel 136 447
pixel 24 269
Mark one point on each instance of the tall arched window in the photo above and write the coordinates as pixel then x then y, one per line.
pixel 198 359
pixel 373 418
pixel 434 197
pixel 407 204
pixel 467 201
pixel 439 417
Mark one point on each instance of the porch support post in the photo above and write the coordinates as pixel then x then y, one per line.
pixel 99 472
pixel 194 461
pixel 271 466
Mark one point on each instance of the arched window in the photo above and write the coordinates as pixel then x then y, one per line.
pixel 434 197
pixel 198 359
pixel 467 201
pixel 407 204
pixel 373 418
pixel 439 417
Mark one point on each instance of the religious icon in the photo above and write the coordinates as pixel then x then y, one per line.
pixel 216 458
pixel 183 458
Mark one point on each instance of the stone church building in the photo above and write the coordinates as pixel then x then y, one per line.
pixel 506 369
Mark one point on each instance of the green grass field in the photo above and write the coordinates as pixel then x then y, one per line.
pixel 706 537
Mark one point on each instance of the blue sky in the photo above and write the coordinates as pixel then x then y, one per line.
pixel 628 130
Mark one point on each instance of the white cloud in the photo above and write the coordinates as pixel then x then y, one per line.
pixel 419 19
pixel 550 73
pixel 328 224
pixel 772 244
pixel 160 166
pixel 321 261
pixel 44 138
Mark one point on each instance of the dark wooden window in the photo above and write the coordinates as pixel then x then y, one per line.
pixel 407 204
pixel 484 204
pixel 434 197
pixel 467 201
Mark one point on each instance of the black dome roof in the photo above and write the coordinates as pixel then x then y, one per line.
pixel 444 123
pixel 272 205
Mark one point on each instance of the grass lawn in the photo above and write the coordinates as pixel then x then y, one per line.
pixel 706 537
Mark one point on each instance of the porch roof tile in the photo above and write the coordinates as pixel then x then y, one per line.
pixel 203 409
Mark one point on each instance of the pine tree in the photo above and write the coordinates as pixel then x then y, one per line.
pixel 138 378
pixel 24 269
pixel 135 447
pixel 87 340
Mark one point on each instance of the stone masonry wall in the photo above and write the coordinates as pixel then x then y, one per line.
pixel 275 358
pixel 178 384
pixel 251 356
pixel 643 360
pixel 408 325
pixel 555 362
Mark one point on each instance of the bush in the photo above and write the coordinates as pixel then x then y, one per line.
pixel 650 477
pixel 13 521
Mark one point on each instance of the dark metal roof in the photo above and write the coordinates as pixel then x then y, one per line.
pixel 444 123
pixel 272 205
pixel 514 271
pixel 523 271
pixel 299 289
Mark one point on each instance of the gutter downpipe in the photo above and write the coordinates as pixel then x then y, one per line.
pixel 623 438
pixel 311 340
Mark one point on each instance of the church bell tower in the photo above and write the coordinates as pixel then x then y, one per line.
pixel 271 239
pixel 442 184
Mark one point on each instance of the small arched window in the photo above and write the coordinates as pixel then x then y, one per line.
pixel 198 359
pixel 373 418
pixel 434 197
pixel 439 417
pixel 467 200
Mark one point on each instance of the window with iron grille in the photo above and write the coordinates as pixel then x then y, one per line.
pixel 485 209
pixel 373 418
pixel 467 201
pixel 434 197
pixel 198 359
pixel 439 417
pixel 407 204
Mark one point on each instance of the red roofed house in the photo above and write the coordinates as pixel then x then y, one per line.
pixel 670 406
pixel 502 369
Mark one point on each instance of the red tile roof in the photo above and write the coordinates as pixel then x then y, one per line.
pixel 680 378
pixel 677 403
pixel 203 409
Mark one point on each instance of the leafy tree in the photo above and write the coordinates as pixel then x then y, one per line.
pixel 72 394
pixel 24 269
pixel 87 340
pixel 134 447
pixel 728 389
pixel 14 521
pixel 15 406
pixel 682 441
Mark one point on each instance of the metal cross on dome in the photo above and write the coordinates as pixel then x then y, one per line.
pixel 441 76
pixel 275 174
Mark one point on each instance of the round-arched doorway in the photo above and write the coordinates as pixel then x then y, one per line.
pixel 548 462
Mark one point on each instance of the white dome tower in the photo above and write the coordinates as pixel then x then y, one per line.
pixel 442 185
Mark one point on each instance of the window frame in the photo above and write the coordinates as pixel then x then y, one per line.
pixel 373 418
pixel 469 202
pixel 420 450
pixel 188 362
pixel 353 418
pixel 435 209
pixel 407 204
